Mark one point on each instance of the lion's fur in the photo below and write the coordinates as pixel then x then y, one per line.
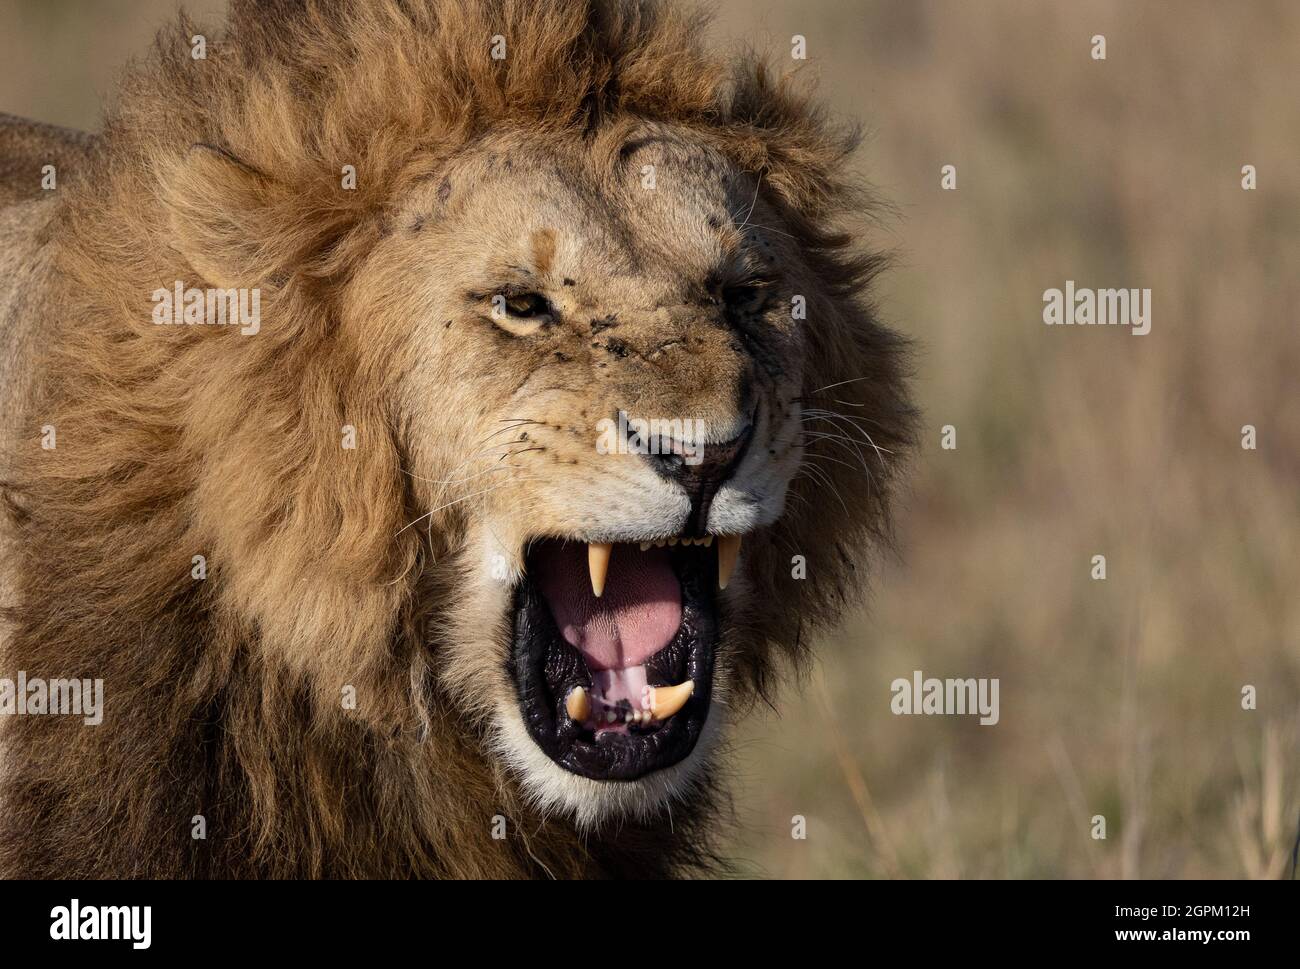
pixel 222 696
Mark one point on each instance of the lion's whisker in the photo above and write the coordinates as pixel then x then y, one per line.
pixel 515 423
pixel 768 228
pixel 841 383
pixel 449 504
pixel 842 440
pixel 758 183
pixel 833 418
pixel 468 477
pixel 480 455
pixel 825 481
pixel 834 460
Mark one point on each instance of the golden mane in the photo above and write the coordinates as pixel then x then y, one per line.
pixel 175 442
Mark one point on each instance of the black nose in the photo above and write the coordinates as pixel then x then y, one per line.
pixel 700 468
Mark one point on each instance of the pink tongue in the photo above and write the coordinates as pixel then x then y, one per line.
pixel 635 618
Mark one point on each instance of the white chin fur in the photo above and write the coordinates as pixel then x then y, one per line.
pixel 553 790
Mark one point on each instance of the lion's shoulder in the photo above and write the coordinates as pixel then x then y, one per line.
pixel 28 201
pixel 26 147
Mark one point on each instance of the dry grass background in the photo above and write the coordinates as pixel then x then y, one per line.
pixel 1121 697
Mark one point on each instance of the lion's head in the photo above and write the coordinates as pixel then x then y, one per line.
pixel 567 412
pixel 637 418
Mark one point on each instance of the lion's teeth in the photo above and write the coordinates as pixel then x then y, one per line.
pixel 672 541
pixel 707 541
pixel 578 704
pixel 667 700
pixel 645 546
pixel 598 564
pixel 728 552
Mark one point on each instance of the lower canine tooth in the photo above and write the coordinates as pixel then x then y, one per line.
pixel 667 700
pixel 598 564
pixel 578 704
pixel 728 552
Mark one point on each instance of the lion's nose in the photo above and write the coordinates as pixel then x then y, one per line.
pixel 701 468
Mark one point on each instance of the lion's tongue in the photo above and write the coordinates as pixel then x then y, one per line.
pixel 637 615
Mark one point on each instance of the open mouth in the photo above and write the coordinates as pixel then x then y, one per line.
pixel 614 647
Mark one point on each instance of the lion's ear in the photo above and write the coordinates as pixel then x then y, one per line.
pixel 222 212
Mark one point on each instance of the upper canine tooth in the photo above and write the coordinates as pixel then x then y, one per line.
pixel 598 565
pixel 578 704
pixel 667 700
pixel 644 546
pixel 728 552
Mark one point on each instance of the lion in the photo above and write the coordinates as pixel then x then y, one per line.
pixel 550 419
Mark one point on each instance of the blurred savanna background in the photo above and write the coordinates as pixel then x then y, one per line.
pixel 1120 698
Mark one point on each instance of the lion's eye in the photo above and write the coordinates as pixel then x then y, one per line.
pixel 528 306
pixel 745 299
pixel 522 313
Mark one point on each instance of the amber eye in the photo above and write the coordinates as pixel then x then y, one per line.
pixel 528 306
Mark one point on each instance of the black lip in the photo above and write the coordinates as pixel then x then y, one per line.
pixel 545 668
